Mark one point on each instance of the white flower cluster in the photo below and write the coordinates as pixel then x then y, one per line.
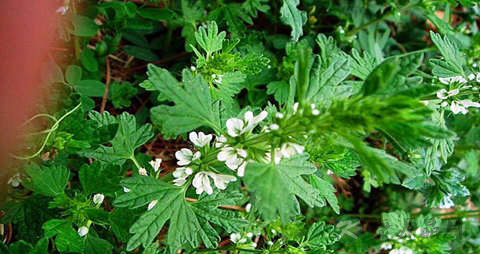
pixel 456 106
pixel 287 150
pixel 235 158
pixel 237 238
pixel 201 180
pixel 402 250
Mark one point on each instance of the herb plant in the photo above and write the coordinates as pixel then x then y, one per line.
pixel 255 126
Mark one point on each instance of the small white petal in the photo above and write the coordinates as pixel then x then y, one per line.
pixel 98 198
pixel 156 164
pixel 234 127
pixel 279 115
pixel 125 189
pixel 242 153
pixel 82 231
pixel 241 169
pixel 471 76
pixel 152 204
pixel 143 172
pixel 453 92
pixel 248 207
pixel 295 107
pixel 274 127
pixel 250 234
pixel 442 94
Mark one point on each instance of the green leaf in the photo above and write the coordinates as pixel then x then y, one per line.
pixel 41 247
pixel 121 94
pixel 121 219
pixel 84 26
pixel 193 104
pixel 280 90
pixel 362 66
pixel 454 59
pixel 293 17
pixel 128 138
pixel 276 187
pixel 98 178
pixel 87 58
pixel 394 223
pixel 230 86
pixel 209 39
pixel 141 53
pixel 90 88
pixel 19 247
pixel 67 239
pixel 95 245
pixel 327 191
pixel 189 229
pixel 73 74
pixel 49 181
pixel 155 13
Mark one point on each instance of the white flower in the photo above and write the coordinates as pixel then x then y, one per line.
pixel 450 80
pixel 243 240
pixel 221 180
pixel 248 207
pixel 186 156
pixel 289 149
pixel 142 171
pixel 235 237
pixel 156 164
pixel 249 234
pixel 254 245
pixel 201 181
pixel 15 180
pixel 234 127
pixel 471 76
pixel 279 115
pixel 274 127
pixel 241 169
pixel 181 175
pixel 446 202
pixel 234 158
pixel 478 77
pixel 98 198
pixel 443 94
pixel 295 107
pixel 462 105
pixel 270 243
pixel 193 68
pixel 200 139
pixel 125 189
pixel 252 121
pixel 82 231
pixel 386 246
pixel 219 140
pixel 152 204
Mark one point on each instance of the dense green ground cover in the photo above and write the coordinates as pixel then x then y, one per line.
pixel 269 126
